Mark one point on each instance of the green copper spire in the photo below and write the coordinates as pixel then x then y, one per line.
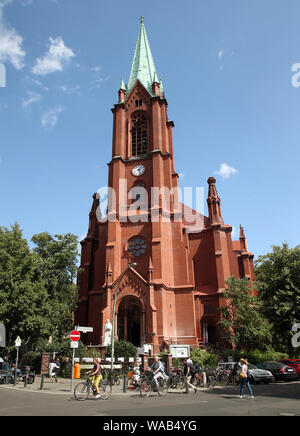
pixel 123 86
pixel 143 67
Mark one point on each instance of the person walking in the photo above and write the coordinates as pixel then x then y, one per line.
pixel 189 372
pixel 244 378
pixel 53 369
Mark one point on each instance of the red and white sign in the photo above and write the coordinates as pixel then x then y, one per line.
pixel 75 336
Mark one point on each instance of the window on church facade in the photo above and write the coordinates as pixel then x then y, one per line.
pixel 137 246
pixel 139 134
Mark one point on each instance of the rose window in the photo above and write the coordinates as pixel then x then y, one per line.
pixel 137 247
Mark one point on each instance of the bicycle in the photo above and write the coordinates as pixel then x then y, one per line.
pixel 222 377
pixel 148 385
pixel 176 380
pixel 83 389
pixel 113 378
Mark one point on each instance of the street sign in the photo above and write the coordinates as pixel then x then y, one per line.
pixel 18 342
pixel 74 336
pixel 74 344
pixel 85 329
pixel 2 336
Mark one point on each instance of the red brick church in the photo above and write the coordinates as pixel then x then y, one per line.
pixel 182 258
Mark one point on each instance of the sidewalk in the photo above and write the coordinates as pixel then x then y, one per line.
pixel 63 387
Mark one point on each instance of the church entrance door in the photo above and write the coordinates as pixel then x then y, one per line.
pixel 130 321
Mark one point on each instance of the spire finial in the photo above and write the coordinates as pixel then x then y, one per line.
pixel 214 203
pixel 143 66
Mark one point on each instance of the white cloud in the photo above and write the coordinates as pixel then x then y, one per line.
pixel 10 42
pixel 50 118
pixel 226 171
pixel 33 97
pixel 26 2
pixel 55 59
pixel 220 54
pixel 67 89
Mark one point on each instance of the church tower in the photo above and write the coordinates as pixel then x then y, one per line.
pixel 173 292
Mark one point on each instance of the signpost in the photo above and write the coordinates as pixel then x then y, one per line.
pixel 85 329
pixel 74 336
pixel 2 336
pixel 18 343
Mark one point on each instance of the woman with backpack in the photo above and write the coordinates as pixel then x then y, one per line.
pixel 244 378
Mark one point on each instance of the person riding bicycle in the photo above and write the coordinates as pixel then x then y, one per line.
pixel 158 370
pixel 96 375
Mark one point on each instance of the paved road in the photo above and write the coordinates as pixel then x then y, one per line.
pixel 270 400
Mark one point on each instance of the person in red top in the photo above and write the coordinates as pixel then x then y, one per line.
pixel 96 375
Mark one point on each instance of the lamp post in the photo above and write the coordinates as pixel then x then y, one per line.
pixel 113 316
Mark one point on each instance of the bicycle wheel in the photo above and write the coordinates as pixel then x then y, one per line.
pixel 224 380
pixel 82 391
pixel 211 381
pixel 162 387
pixel 145 388
pixel 131 384
pixel 181 383
pixel 105 390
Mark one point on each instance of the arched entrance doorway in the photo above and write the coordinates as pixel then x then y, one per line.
pixel 130 321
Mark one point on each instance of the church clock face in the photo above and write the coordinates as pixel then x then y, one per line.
pixel 138 170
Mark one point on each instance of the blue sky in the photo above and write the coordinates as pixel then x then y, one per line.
pixel 227 73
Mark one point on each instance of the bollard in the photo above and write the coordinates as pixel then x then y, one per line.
pixel 124 382
pixel 15 377
pixel 25 381
pixel 6 377
pixel 42 382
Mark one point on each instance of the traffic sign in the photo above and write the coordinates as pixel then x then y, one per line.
pixel 2 336
pixel 85 329
pixel 18 342
pixel 74 344
pixel 75 336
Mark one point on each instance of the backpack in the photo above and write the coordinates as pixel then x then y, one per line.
pixel 192 370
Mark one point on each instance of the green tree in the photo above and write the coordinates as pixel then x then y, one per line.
pixel 57 257
pixel 278 278
pixel 37 294
pixel 241 321
pixel 23 299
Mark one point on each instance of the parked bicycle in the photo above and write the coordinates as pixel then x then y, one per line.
pixel 148 385
pixel 113 378
pixel 21 375
pixel 222 377
pixel 83 389
pixel 176 380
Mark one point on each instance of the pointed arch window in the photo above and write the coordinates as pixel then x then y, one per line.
pixel 139 134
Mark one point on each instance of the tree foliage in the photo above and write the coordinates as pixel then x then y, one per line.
pixel 37 293
pixel 278 277
pixel 122 349
pixel 241 321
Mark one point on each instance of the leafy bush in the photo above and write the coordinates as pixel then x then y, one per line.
pixel 203 358
pixel 254 356
pixel 31 359
pixel 122 349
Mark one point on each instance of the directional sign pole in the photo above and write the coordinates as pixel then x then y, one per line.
pixel 74 339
